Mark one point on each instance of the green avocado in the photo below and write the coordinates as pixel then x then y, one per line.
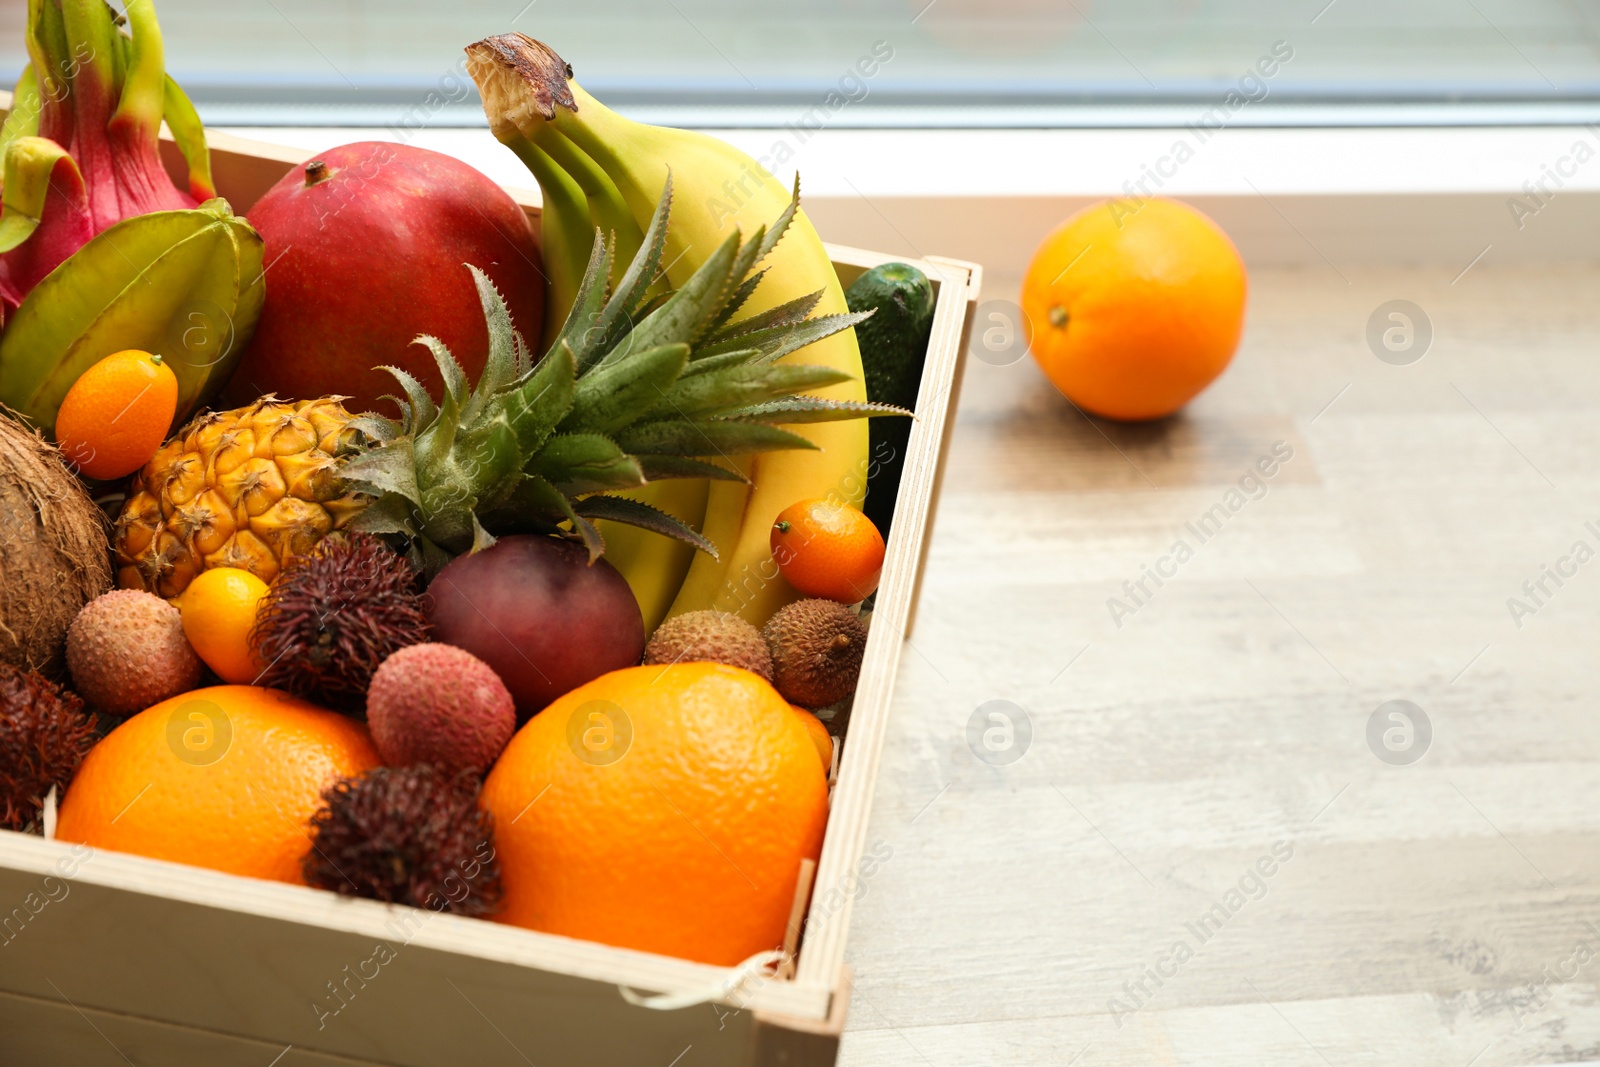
pixel 893 344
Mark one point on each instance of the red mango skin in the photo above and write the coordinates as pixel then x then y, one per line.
pixel 536 611
pixel 366 257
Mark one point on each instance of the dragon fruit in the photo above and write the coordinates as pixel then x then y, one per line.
pixel 80 147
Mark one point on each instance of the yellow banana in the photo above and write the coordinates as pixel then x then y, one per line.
pixel 717 188
pixel 578 199
pixel 654 566
pixel 607 211
pixel 565 236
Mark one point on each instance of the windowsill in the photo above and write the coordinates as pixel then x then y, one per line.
pixel 1094 163
pixel 1299 196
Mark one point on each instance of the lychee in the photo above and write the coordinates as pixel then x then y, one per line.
pixel 126 651
pixel 710 637
pixel 816 648
pixel 438 704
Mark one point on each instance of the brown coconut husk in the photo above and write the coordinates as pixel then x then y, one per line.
pixel 55 550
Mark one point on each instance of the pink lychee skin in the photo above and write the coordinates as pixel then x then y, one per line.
pixel 126 651
pixel 439 704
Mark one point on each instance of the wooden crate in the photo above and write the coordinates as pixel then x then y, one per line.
pixel 109 959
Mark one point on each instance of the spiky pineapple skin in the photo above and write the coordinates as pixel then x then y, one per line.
pixel 246 488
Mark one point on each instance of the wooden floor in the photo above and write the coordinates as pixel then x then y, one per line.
pixel 1442 912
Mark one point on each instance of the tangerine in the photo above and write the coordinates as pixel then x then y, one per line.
pixel 659 808
pixel 819 736
pixel 219 613
pixel 828 550
pixel 1135 306
pixel 117 414
pixel 226 778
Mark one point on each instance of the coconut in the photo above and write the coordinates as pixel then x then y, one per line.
pixel 55 550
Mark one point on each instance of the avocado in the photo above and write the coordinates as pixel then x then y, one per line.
pixel 893 344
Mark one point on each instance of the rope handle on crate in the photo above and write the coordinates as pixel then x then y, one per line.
pixel 733 981
pixel 724 988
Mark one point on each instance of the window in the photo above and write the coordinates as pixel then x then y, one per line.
pixel 946 62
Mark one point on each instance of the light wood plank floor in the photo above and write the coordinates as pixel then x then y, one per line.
pixel 1442 912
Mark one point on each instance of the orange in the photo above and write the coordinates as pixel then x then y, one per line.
pixel 219 612
pixel 828 550
pixel 819 736
pixel 117 414
pixel 1135 306
pixel 226 778
pixel 665 809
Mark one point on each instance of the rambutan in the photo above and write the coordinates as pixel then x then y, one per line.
pixel 44 735
pixel 406 835
pixel 333 615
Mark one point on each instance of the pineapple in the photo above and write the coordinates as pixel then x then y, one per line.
pixel 633 390
pixel 245 488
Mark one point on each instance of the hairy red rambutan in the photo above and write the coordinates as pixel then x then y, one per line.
pixel 406 835
pixel 333 615
pixel 44 735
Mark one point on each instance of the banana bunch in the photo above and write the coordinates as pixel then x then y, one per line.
pixel 602 177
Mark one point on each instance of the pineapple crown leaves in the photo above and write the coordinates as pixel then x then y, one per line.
pixel 634 389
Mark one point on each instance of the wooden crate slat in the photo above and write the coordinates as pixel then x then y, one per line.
pixel 822 953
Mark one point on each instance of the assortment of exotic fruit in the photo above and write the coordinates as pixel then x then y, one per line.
pixel 328 576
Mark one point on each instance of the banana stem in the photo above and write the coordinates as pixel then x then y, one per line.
pixel 596 130
pixel 525 89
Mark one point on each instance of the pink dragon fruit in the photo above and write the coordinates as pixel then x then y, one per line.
pixel 80 147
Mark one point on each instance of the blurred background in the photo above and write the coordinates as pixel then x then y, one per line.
pixel 953 62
